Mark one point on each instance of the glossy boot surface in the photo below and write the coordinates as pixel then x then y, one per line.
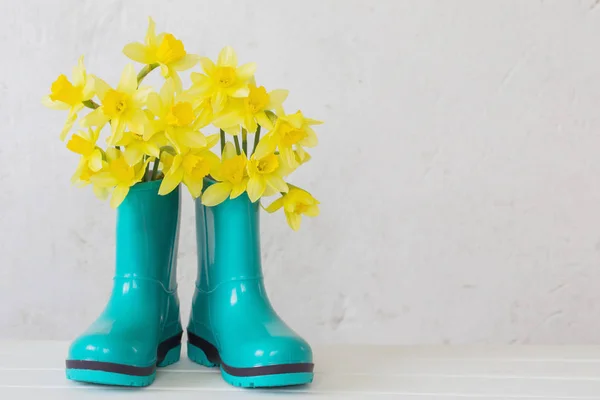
pixel 140 327
pixel 232 323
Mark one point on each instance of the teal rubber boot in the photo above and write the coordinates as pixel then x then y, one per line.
pixel 232 324
pixel 140 327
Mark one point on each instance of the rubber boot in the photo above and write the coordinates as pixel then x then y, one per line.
pixel 140 327
pixel 232 324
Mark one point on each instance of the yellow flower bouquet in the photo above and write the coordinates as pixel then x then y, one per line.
pixel 156 142
pixel 165 134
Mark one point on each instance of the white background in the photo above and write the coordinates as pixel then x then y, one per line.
pixel 458 168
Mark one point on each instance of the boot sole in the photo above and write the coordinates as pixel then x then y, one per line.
pixel 204 353
pixel 105 373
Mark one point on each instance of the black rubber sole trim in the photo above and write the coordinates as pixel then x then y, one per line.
pixel 212 354
pixel 163 348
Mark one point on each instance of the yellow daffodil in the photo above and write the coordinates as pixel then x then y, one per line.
pixel 265 172
pixel 176 118
pixel 119 176
pixel 223 80
pixel 84 144
pixel 190 167
pixel 83 175
pixel 249 112
pixel 136 146
pixel 231 176
pixel 291 132
pixel 121 106
pixel 90 163
pixel 295 203
pixel 163 49
pixel 66 95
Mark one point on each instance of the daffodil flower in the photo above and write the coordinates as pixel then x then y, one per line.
pixel 292 131
pixel 250 111
pixel 223 80
pixel 121 106
pixel 190 167
pixel 84 144
pixel 119 176
pixel 231 176
pixel 176 118
pixel 265 172
pixel 66 95
pixel 295 203
pixel 163 49
pixel 83 175
pixel 136 146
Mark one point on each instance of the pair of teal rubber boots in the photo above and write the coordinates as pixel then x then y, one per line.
pixel 232 324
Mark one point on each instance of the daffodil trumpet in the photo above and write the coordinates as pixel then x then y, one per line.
pixel 225 127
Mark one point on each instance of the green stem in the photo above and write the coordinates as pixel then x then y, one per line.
pixel 222 132
pixel 237 145
pixel 245 141
pixel 91 104
pixel 155 169
pixel 145 178
pixel 256 138
pixel 145 71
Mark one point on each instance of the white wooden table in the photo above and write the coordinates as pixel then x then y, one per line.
pixel 34 370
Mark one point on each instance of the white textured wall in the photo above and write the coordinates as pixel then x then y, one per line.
pixel 459 169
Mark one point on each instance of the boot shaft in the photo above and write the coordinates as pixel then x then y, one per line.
pixel 228 242
pixel 147 234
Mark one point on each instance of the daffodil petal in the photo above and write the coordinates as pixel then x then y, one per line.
pixel 55 105
pixel 211 141
pixel 118 195
pixel 266 146
pixel 137 121
pixel 79 73
pixel 293 220
pixel 95 161
pixel 128 82
pixel 138 52
pixel 100 87
pixel 100 192
pixel 256 188
pixel 68 125
pixel 312 211
pixel 229 151
pixel 151 33
pixel 133 155
pixel 154 103
pixel 296 120
pixel 276 98
pixel 171 181
pixel 194 186
pixel 277 183
pixel 207 65
pixel 288 157
pixel 263 120
pixel 186 62
pixel 218 101
pixel 227 57
pixel 238 189
pixel 152 150
pixel 274 206
pixel 246 71
pixel 227 119
pixel 94 118
pixel 192 139
pixel 117 129
pixel 239 91
pixel 104 179
pixel 216 194
pixel 311 139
